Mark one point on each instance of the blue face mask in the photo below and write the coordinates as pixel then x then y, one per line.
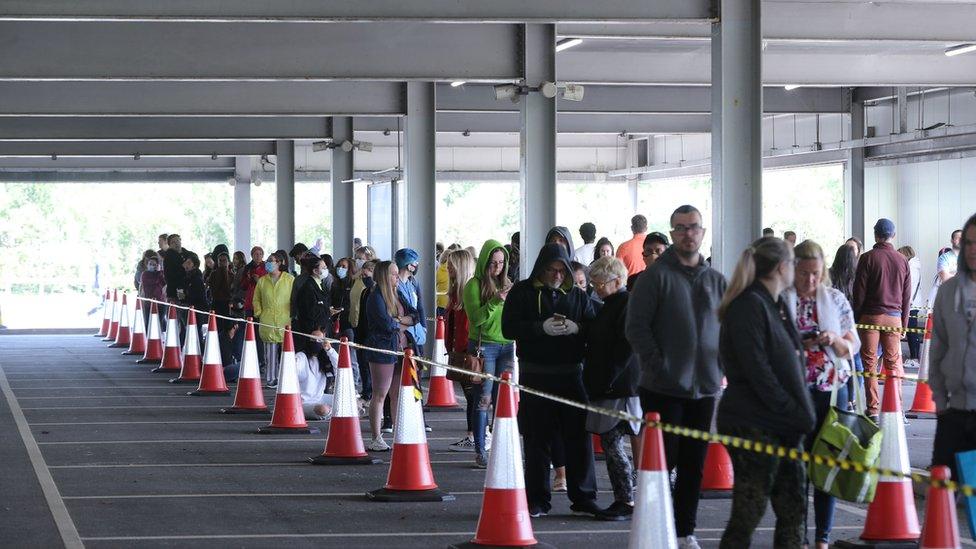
pixel 342 272
pixel 269 266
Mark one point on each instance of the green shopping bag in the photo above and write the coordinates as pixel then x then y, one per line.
pixel 852 437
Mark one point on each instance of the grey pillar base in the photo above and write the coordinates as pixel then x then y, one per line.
pixel 396 496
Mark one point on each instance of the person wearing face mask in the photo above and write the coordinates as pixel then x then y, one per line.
pixel 361 287
pixel 272 306
pixel 253 272
pixel 196 292
pixel 311 302
pixel 546 316
pixel 220 282
pixel 313 377
pixel 339 309
pixel 407 261
pixel 151 285
pixel 141 267
pixel 654 246
pixel 767 398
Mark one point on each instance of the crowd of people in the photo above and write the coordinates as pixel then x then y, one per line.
pixel 648 326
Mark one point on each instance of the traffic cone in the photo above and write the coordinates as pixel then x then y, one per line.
pixel 137 340
pixel 717 476
pixel 289 417
pixel 440 393
pixel 344 443
pixel 113 327
pixel 598 448
pixel 154 345
pixel 504 520
pixel 410 477
pixel 941 530
pixel 652 525
pixel 123 334
pixel 892 520
pixel 212 382
pixel 106 315
pixel 190 372
pixel 171 353
pixel 249 398
pixel 923 403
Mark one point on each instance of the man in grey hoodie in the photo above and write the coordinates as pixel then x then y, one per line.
pixel 952 366
pixel 672 325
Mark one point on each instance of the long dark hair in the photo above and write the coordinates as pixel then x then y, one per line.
pixel 604 241
pixel 842 271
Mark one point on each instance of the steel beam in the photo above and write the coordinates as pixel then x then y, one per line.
pixel 160 128
pixel 343 210
pixel 242 203
pixel 504 122
pixel 854 173
pixel 285 194
pixel 537 151
pixel 135 148
pixel 420 139
pixel 446 11
pixel 255 51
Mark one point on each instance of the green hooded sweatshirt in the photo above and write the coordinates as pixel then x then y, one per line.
pixel 484 319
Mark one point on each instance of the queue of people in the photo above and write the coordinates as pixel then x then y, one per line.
pixel 647 327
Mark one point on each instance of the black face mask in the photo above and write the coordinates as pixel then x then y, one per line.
pixel 314 348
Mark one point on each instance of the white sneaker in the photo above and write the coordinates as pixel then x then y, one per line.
pixel 488 441
pixel 377 445
pixel 466 444
pixel 688 542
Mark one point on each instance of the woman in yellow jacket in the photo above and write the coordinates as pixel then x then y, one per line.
pixel 272 306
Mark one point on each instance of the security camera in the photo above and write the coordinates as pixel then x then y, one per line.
pixel 573 92
pixel 347 146
pixel 319 146
pixel 548 89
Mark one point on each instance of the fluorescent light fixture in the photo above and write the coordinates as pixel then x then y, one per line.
pixel 573 92
pixel 960 49
pixel 364 146
pixel 568 43
pixel 354 180
pixel 458 83
pixel 791 87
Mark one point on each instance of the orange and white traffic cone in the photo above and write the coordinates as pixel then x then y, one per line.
pixel 923 402
pixel 113 327
pixel 154 344
pixel 171 352
pixel 652 525
pixel 410 477
pixel 123 335
pixel 212 381
pixel 288 417
pixel 137 340
pixel 190 372
pixel 504 519
pixel 440 393
pixel 941 530
pixel 106 315
pixel 344 443
pixel 892 516
pixel 249 398
pixel 717 475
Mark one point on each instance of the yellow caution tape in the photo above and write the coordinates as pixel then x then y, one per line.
pixel 890 329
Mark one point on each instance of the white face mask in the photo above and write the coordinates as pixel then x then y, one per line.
pixel 360 263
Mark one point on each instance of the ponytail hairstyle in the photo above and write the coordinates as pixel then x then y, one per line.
pixel 809 249
pixel 757 261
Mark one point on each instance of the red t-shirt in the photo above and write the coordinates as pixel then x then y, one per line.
pixel 456 338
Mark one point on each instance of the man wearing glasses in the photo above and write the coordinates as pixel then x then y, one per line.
pixel 672 325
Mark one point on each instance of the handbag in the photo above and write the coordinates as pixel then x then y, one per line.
pixel 848 436
pixel 474 363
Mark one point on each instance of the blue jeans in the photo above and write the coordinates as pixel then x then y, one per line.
pixel 914 339
pixel 499 358
pixel 823 503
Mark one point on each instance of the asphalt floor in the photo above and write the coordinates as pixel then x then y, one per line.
pixel 99 452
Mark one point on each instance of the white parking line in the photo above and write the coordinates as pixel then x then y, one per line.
pixel 255 439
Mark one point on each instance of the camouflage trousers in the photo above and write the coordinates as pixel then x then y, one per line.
pixel 761 478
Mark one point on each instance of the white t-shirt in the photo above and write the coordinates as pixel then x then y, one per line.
pixel 915 270
pixel 949 262
pixel 311 380
pixel 584 254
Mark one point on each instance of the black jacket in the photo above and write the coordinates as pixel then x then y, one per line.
pixel 196 292
pixel 763 359
pixel 311 308
pixel 362 326
pixel 173 271
pixel 340 300
pixel 530 302
pixel 611 369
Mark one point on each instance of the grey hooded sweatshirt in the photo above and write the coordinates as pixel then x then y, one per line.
pixel 952 360
pixel 672 325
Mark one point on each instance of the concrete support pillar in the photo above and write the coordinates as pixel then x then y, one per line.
pixel 421 177
pixel 718 191
pixel 854 172
pixel 242 204
pixel 343 206
pixel 537 145
pixel 902 104
pixel 738 191
pixel 285 187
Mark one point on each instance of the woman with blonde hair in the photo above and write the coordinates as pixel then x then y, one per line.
pixel 388 318
pixel 484 299
pixel 767 399
pixel 460 268
pixel 825 321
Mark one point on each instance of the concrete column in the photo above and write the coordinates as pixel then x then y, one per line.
pixel 421 177
pixel 343 207
pixel 537 147
pixel 739 186
pixel 902 104
pixel 285 187
pixel 718 253
pixel 242 204
pixel 854 172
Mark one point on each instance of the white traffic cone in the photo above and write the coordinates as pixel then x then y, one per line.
pixel 652 525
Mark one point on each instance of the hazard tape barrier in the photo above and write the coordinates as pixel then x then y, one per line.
pixel 794 454
pixel 899 329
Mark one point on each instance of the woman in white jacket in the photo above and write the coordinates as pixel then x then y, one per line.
pixel 313 378
pixel 825 321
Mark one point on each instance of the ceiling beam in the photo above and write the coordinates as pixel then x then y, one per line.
pixel 39 50
pixel 133 148
pixel 445 11
pixel 508 122
pixel 160 128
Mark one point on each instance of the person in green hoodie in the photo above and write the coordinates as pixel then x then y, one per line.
pixel 484 298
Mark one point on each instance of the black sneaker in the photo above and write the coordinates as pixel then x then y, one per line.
pixel 536 512
pixel 618 510
pixel 587 508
